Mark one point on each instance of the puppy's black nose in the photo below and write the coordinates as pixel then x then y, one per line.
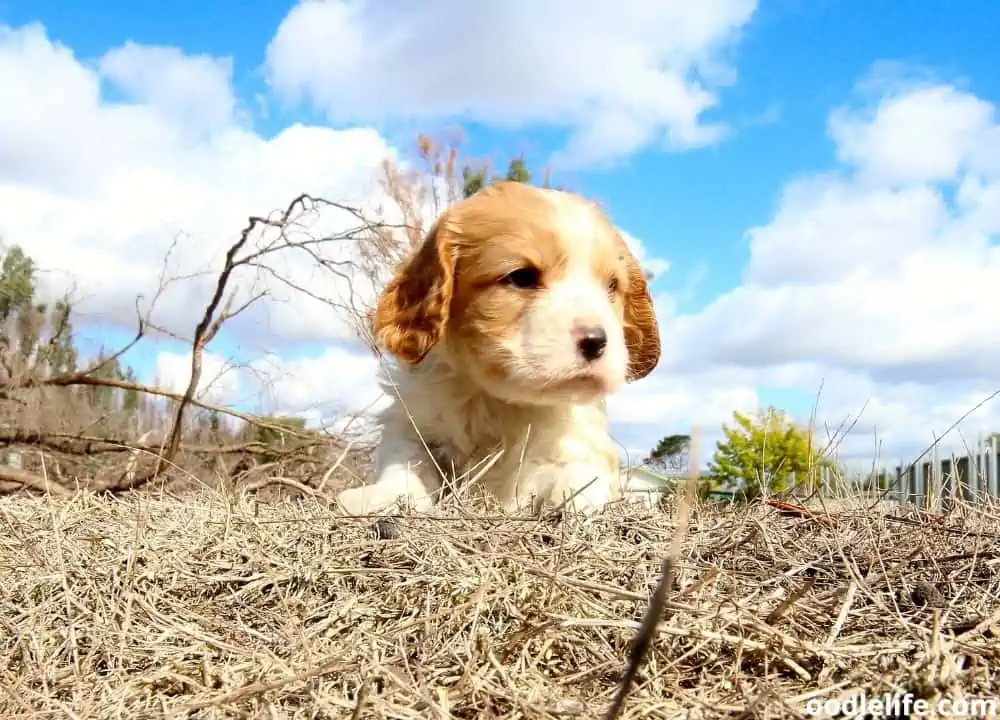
pixel 591 342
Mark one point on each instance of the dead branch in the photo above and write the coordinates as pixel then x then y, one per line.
pixel 213 319
pixel 23 478
pixel 91 445
pixel 378 239
pixel 82 379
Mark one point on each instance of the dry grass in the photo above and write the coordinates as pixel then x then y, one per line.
pixel 212 606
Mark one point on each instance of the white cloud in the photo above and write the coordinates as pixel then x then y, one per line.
pixel 882 280
pixel 337 381
pixel 219 382
pixel 656 265
pixel 930 133
pixel 619 76
pixel 329 388
pixel 100 188
pixel 666 403
pixel 899 278
pixel 192 91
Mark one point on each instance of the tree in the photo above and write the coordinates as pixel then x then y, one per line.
pixel 39 337
pixel 20 318
pixel 671 452
pixel 59 353
pixel 17 282
pixel 475 179
pixel 517 171
pixel 115 405
pixel 25 323
pixel 765 450
pixel 472 180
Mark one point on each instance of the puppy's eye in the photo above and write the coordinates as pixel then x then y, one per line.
pixel 613 285
pixel 526 278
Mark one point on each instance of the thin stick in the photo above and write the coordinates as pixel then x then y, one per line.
pixel 658 603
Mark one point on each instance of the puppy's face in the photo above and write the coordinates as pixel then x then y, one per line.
pixel 531 291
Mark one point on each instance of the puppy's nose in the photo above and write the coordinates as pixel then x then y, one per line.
pixel 591 342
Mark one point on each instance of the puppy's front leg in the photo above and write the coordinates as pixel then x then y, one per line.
pixel 403 470
pixel 585 487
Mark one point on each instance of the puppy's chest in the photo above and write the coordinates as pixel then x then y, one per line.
pixel 469 434
pixel 465 428
pixel 467 442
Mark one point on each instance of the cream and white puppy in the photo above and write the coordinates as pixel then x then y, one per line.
pixel 519 313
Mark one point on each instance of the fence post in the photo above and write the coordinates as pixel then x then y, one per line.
pixel 994 467
pixel 930 489
pixel 975 468
pixel 985 469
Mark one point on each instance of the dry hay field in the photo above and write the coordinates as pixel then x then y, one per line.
pixel 216 605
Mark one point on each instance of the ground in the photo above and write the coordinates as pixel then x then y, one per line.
pixel 215 605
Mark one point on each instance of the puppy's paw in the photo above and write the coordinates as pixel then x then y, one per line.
pixel 354 501
pixel 576 487
pixel 393 492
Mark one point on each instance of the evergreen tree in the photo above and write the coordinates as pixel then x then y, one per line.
pixel 475 179
pixel 42 335
pixel 17 282
pixel 517 171
pixel 42 338
pixel 671 452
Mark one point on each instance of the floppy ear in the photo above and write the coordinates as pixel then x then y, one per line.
pixel 413 308
pixel 642 332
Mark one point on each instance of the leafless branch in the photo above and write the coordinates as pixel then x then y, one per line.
pixel 371 241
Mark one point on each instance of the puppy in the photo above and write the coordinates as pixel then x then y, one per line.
pixel 519 313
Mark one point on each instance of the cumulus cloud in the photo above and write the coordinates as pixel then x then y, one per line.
pixel 619 76
pixel 667 403
pixel 191 90
pixel 899 277
pixel 334 388
pixel 656 265
pixel 954 131
pixel 335 382
pixel 882 278
pixel 138 166
pixel 219 383
pixel 113 167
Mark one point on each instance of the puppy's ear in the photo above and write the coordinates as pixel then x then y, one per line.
pixel 413 309
pixel 642 332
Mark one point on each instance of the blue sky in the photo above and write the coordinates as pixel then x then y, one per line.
pixel 792 64
pixel 796 60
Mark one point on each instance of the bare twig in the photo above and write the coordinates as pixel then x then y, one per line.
pixel 658 603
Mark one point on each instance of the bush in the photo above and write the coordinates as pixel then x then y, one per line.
pixel 271 435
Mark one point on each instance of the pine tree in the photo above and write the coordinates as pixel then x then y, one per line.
pixel 475 179
pixel 517 171
pixel 671 452
pixel 41 337
pixel 17 282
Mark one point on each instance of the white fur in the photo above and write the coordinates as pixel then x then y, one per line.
pixel 548 452
pixel 553 440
